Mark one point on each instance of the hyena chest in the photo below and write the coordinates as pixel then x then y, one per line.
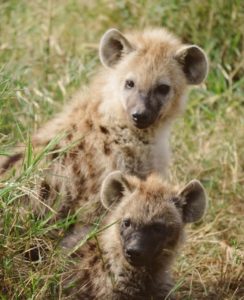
pixel 80 172
pixel 102 154
pixel 133 154
pixel 134 160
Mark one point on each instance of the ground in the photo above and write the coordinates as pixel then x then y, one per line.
pixel 47 50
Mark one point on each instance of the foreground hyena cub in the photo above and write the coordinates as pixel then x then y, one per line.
pixel 132 258
pixel 122 122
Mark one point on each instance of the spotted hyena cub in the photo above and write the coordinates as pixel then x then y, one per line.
pixel 122 121
pixel 132 257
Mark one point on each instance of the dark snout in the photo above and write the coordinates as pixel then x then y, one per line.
pixel 134 254
pixel 141 119
pixel 144 113
pixel 138 250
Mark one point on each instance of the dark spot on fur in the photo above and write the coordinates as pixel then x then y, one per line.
pixel 44 190
pixel 56 187
pixel 75 168
pixel 116 142
pixel 69 136
pixel 80 254
pixel 81 146
pixel 86 275
pixel 93 261
pixel 11 161
pixel 82 180
pixel 55 153
pixel 129 152
pixel 81 186
pixel 74 127
pixel 66 209
pixel 92 247
pixel 89 124
pixel 92 172
pixel 73 154
pixel 106 148
pixel 104 130
pixel 94 188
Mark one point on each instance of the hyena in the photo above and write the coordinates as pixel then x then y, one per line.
pixel 122 122
pixel 132 257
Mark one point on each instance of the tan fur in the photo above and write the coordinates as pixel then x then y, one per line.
pixel 98 132
pixel 100 270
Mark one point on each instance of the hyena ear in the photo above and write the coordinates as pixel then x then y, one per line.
pixel 193 201
pixel 112 46
pixel 113 188
pixel 194 63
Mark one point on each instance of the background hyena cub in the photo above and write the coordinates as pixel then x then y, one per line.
pixel 131 259
pixel 122 122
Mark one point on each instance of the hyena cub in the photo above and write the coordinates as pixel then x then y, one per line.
pixel 132 257
pixel 122 122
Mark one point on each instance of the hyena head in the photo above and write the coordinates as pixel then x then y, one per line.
pixel 150 72
pixel 148 217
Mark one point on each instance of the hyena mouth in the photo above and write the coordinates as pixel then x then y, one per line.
pixel 143 124
pixel 135 262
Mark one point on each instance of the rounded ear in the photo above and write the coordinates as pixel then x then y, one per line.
pixel 112 46
pixel 113 188
pixel 194 63
pixel 193 201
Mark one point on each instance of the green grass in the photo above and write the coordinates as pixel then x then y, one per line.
pixel 47 50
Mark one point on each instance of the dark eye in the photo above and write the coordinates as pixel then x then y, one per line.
pixel 163 89
pixel 129 84
pixel 126 222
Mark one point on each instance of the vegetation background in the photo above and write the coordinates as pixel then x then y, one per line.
pixel 47 50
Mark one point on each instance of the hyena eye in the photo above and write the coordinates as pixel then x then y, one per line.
pixel 163 89
pixel 126 222
pixel 129 84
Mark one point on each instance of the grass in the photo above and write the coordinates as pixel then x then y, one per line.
pixel 47 50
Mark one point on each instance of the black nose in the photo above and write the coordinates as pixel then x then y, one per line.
pixel 133 253
pixel 138 117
